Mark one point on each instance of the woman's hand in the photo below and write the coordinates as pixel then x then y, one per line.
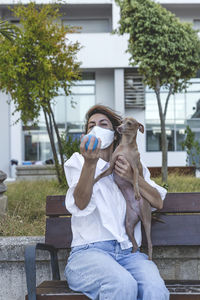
pixel 123 168
pixel 90 156
pixel 84 187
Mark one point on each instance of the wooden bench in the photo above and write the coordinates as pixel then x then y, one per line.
pixel 181 227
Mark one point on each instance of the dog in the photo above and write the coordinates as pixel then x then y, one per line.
pixel 137 208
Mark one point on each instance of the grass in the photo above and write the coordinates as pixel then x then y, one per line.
pixel 178 184
pixel 26 203
pixel 26 207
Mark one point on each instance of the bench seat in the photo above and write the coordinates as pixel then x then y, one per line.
pixel 59 290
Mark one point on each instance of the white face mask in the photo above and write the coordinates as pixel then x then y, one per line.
pixel 106 136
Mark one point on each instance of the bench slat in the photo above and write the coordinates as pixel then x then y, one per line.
pixel 184 297
pixel 58 232
pixel 176 230
pixel 174 202
pixel 182 202
pixel 59 290
pixel 55 206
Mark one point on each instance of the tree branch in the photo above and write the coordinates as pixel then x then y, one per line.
pixel 58 135
pixel 167 99
pixel 49 130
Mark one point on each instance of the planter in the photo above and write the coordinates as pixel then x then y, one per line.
pixel 35 172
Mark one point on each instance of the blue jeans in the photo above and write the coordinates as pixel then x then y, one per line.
pixel 102 270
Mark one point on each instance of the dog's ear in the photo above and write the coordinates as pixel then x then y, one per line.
pixel 141 127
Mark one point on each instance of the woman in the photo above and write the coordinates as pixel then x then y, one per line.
pixel 101 264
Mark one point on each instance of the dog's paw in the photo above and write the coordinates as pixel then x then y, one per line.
pixel 137 196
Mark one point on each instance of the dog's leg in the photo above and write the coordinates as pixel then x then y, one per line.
pixel 130 222
pixel 103 174
pixel 145 211
pixel 135 182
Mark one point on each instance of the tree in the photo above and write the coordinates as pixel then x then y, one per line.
pixel 192 148
pixel 37 65
pixel 166 51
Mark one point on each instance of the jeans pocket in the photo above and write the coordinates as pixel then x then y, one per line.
pixel 79 248
pixel 76 250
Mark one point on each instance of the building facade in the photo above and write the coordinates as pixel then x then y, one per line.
pixel 108 79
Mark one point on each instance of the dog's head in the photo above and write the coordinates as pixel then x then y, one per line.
pixel 130 126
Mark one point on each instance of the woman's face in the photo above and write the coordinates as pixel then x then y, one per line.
pixel 99 120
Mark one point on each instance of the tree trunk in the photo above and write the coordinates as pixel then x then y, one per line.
pixel 58 137
pixel 60 150
pixel 52 142
pixel 164 143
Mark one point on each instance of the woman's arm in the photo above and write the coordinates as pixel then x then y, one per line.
pixel 83 190
pixel 150 193
pixel 124 170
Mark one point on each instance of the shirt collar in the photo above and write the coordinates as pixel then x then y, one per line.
pixel 102 163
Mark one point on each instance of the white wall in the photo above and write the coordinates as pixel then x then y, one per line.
pixel 4 134
pixel 175 159
pixel 119 90
pixel 105 87
pixel 102 50
pixel 16 146
pixel 115 15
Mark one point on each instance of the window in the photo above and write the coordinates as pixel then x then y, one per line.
pixel 69 114
pixel 183 109
pixel 134 91
pixel 37 146
pixel 90 25
pixel 153 136
pixel 196 23
pixel 91 17
pixel 81 99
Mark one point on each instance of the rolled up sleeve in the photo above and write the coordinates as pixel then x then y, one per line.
pixel 162 191
pixel 73 167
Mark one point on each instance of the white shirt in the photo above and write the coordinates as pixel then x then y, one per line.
pixel 104 217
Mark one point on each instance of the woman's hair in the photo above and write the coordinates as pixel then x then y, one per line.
pixel 114 118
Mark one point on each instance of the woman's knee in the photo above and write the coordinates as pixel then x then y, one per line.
pixel 155 291
pixel 124 285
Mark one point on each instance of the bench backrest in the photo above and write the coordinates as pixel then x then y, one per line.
pixel 180 226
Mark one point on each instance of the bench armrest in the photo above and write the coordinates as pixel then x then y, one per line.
pixel 30 266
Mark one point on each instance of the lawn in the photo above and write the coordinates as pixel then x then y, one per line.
pixel 26 203
pixel 26 207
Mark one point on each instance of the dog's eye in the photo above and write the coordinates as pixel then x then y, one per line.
pixel 129 123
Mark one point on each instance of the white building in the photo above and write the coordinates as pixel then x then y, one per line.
pixel 107 79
